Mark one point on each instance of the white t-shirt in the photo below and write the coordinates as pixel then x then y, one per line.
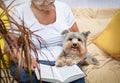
pixel 51 33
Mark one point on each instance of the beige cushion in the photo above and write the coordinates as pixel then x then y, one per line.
pixel 94 20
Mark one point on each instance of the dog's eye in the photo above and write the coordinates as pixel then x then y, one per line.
pixel 79 40
pixel 70 39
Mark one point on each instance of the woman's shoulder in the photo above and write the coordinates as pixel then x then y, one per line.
pixel 22 6
pixel 21 9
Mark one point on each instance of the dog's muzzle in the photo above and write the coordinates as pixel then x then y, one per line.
pixel 74 45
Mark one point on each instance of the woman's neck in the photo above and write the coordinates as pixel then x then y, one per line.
pixel 42 11
pixel 43 16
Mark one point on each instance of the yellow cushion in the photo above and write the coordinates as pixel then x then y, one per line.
pixel 4 18
pixel 109 40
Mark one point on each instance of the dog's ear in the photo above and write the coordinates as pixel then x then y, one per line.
pixel 86 33
pixel 65 32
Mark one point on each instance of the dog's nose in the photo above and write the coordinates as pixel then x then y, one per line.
pixel 75 44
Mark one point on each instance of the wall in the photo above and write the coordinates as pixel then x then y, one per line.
pixel 93 3
pixel 85 3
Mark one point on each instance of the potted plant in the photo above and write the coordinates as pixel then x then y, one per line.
pixel 13 45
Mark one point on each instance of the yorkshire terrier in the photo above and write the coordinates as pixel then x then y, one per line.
pixel 74 48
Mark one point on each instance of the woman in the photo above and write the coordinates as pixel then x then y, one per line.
pixel 48 18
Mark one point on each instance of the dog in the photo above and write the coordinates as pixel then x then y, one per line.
pixel 74 48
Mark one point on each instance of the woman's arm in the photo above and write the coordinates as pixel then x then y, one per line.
pixel 74 28
pixel 15 53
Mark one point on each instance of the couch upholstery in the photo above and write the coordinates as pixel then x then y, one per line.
pixel 96 20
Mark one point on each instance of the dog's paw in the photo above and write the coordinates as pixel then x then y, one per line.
pixel 59 63
pixel 70 63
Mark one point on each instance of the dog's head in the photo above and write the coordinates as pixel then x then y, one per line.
pixel 75 42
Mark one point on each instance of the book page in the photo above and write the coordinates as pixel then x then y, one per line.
pixel 55 74
pixel 47 73
pixel 70 73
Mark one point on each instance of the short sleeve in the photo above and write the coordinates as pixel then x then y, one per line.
pixel 15 17
pixel 15 21
pixel 69 16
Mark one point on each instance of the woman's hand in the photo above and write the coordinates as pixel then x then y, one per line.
pixel 13 54
pixel 33 64
pixel 16 55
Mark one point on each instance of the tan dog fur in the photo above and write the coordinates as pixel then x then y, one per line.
pixel 74 48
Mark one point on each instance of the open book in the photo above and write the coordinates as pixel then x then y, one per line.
pixel 55 74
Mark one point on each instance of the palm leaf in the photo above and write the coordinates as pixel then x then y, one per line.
pixel 24 47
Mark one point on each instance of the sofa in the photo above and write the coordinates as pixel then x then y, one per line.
pixel 97 21
pixel 103 43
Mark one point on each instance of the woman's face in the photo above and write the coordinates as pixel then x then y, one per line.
pixel 44 5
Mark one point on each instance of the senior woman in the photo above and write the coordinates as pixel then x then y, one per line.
pixel 49 18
